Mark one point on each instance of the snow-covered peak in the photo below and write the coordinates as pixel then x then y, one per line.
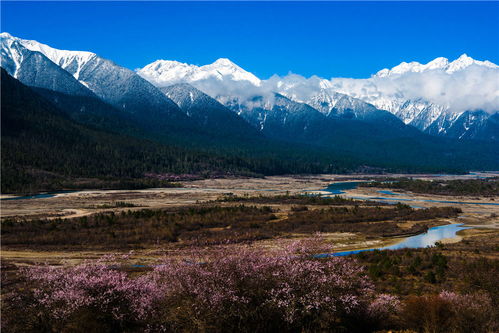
pixel 440 63
pixel 60 57
pixel 5 35
pixel 223 69
pixel 325 101
pixel 166 72
pixel 63 58
pixel 464 61
pixel 12 53
pixel 224 62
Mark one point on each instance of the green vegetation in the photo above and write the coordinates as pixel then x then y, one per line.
pixel 424 271
pixel 136 228
pixel 370 221
pixel 478 187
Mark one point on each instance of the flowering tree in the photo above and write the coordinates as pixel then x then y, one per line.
pixel 257 290
pixel 93 292
pixel 223 289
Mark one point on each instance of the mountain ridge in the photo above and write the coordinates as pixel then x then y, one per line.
pixel 415 111
pixel 439 63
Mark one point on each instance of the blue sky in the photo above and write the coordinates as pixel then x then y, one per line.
pixel 330 39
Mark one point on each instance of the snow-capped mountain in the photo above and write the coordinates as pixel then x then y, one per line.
pixel 466 125
pixel 57 85
pixel 437 119
pixel 116 85
pixel 71 61
pixel 207 111
pixel 445 98
pixel 334 104
pixel 241 91
pixel 165 72
pixel 33 68
pixel 440 63
pixel 403 91
pixel 279 117
pixel 432 96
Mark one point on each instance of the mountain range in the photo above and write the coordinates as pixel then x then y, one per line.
pixel 363 99
pixel 235 121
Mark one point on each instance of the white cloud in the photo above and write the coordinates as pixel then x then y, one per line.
pixel 472 88
pixel 475 87
pixel 465 84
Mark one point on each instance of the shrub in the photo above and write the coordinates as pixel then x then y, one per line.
pixel 253 291
pixel 383 307
pixel 300 208
pixel 93 296
pixel 449 312
pixel 221 290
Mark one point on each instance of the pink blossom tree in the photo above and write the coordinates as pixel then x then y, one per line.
pixel 225 288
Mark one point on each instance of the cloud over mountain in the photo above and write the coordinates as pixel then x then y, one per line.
pixel 464 84
pixel 457 86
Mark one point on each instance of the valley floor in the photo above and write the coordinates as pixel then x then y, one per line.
pixel 483 218
pixel 141 233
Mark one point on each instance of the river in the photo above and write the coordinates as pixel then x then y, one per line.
pixel 429 238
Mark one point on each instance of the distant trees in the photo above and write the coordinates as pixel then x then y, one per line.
pixel 479 187
pixel 297 199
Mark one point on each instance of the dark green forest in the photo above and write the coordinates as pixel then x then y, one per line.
pixel 479 187
pixel 47 147
pixel 43 149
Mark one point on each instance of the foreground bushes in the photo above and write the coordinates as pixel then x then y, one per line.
pixel 90 297
pixel 450 312
pixel 231 290
pixel 256 292
pixel 221 290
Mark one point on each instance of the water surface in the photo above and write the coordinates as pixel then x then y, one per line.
pixel 37 196
pixel 339 188
pixel 427 239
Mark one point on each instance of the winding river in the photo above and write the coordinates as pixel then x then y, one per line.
pixel 37 196
pixel 429 238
